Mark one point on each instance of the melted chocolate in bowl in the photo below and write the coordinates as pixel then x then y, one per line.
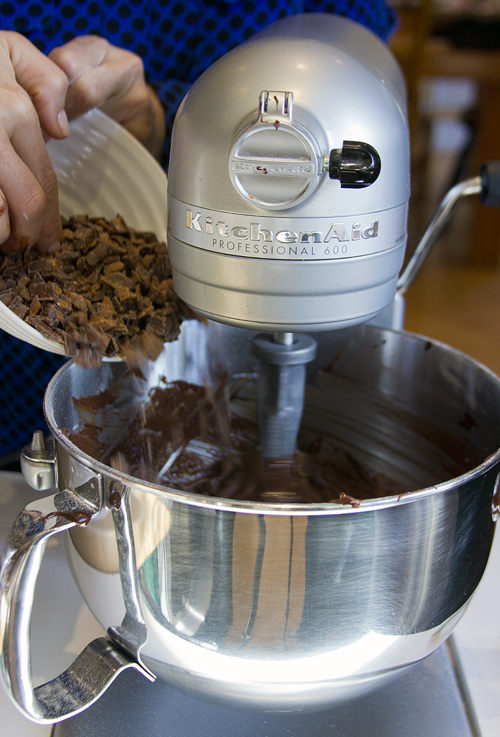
pixel 355 442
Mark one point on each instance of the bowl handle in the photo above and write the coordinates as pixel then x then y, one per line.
pixel 104 658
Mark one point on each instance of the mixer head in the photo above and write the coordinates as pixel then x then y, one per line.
pixel 288 192
pixel 289 180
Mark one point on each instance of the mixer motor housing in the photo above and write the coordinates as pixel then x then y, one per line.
pixel 289 180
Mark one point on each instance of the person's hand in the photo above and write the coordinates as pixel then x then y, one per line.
pixel 38 94
pixel 32 96
pixel 112 79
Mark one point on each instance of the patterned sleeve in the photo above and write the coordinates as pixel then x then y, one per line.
pixel 376 15
pixel 171 93
pixel 221 26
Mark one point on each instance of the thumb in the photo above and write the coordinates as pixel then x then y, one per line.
pixel 44 81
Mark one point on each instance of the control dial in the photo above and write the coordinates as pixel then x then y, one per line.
pixel 275 163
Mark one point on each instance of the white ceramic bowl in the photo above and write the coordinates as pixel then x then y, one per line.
pixel 104 171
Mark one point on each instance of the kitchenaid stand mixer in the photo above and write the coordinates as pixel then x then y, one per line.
pixel 288 192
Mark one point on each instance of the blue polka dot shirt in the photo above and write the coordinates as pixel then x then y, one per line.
pixel 177 39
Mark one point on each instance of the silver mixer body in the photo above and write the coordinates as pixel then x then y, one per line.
pixel 289 180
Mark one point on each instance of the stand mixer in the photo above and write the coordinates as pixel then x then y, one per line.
pixel 288 193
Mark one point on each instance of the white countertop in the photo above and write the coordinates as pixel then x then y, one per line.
pixel 62 625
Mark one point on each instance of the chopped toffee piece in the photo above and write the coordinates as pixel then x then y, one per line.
pixel 108 291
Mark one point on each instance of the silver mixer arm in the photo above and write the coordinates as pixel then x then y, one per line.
pixel 487 184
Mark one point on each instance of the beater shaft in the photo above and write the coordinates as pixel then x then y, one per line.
pixel 283 358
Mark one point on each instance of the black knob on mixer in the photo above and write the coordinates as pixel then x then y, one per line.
pixel 355 165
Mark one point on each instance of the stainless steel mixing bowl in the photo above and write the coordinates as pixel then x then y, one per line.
pixel 266 605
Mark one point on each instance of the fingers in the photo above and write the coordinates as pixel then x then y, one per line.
pixel 105 76
pixel 4 219
pixel 29 211
pixel 44 82
pixel 101 75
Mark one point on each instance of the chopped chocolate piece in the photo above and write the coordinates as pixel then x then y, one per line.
pixel 113 348
pixel 80 317
pixel 64 306
pixel 159 325
pixel 16 300
pixel 103 308
pixel 103 249
pixel 113 266
pixel 22 287
pixel 148 259
pixel 133 352
pixel 107 324
pixel 122 294
pixel 39 324
pixel 18 307
pixel 69 342
pixel 42 265
pixel 118 280
pixel 152 344
pixel 97 295
pixel 35 306
pixel 93 277
pixel 10 273
pixel 88 358
pixel 118 224
pixel 79 302
pixel 142 275
pixel 36 278
pixel 68 255
pixel 55 315
pixel 163 268
pixel 148 310
pixel 46 291
pixel 7 295
pixel 347 499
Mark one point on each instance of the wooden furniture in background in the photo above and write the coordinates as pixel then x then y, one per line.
pixel 408 44
pixel 422 56
pixel 441 59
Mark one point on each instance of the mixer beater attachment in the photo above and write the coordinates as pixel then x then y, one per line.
pixel 283 358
